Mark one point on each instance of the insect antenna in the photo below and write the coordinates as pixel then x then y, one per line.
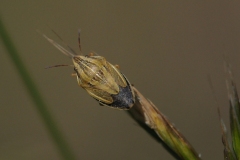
pixel 79 40
pixel 59 65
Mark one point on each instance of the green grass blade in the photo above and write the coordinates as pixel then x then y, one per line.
pixel 232 149
pixel 234 120
pixel 228 151
pixel 35 95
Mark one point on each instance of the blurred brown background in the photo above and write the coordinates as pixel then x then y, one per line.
pixel 166 49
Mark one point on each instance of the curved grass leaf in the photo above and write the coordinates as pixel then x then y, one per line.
pixel 34 94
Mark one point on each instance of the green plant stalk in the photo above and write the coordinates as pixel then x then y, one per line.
pixel 235 130
pixel 234 119
pixel 144 111
pixel 231 150
pixel 35 95
pixel 228 151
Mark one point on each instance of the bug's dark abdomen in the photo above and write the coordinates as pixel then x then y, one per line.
pixel 124 99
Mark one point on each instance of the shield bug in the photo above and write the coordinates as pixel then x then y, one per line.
pixel 102 80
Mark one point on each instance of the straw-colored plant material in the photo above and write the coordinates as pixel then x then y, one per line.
pixel 144 111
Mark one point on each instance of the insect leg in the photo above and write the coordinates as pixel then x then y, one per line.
pixel 117 66
pixel 91 54
pixel 74 74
